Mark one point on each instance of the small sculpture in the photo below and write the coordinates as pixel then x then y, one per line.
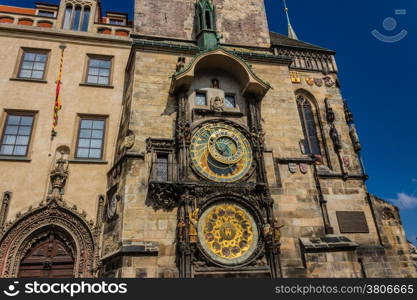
pixel 192 228
pixel 277 231
pixel 180 64
pixel 335 138
pixel 215 83
pixel 355 138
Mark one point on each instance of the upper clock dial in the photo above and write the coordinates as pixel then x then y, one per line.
pixel 221 153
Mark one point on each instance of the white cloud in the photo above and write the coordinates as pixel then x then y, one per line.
pixel 405 201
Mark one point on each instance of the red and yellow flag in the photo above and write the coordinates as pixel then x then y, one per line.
pixel 58 102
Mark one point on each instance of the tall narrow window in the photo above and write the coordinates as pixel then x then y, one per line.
pixel 311 141
pixel 90 138
pixel 86 18
pixel 33 64
pixel 16 135
pixel 162 167
pixel 76 18
pixel 208 20
pixel 99 70
pixel 67 17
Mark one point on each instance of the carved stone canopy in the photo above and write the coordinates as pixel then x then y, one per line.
pixel 225 61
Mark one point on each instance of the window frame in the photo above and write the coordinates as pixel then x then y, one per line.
pixel 87 68
pixel 80 118
pixel 22 53
pixel 301 101
pixel 19 113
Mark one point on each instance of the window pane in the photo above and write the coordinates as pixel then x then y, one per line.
pixel 103 80
pixel 26 121
pixel 39 66
pixel 12 129
pixel 9 140
pixel 14 120
pixel 104 72
pixel 85 133
pixel 24 130
pixel 230 101
pixel 162 168
pixel 92 79
pixel 67 18
pixel 76 21
pixel 6 150
pixel 37 74
pixel 98 125
pixel 41 58
pixel 105 64
pixel 20 150
pixel 84 143
pixel 96 144
pixel 29 56
pixel 87 124
pixel 82 153
pixel 93 71
pixel 22 140
pixel 27 65
pixel 86 18
pixel 200 99
pixel 97 134
pixel 95 153
pixel 25 73
pixel 94 63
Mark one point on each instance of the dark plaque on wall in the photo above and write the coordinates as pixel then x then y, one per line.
pixel 352 222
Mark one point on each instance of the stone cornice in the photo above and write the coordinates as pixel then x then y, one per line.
pixel 60 35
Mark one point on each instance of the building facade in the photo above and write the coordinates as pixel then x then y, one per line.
pixel 195 143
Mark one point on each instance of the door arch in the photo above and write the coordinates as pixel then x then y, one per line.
pixel 74 235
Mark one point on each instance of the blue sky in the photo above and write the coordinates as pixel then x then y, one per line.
pixel 377 81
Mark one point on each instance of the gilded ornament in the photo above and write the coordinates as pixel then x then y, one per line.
pixel 228 233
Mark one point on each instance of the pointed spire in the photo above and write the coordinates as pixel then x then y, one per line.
pixel 291 32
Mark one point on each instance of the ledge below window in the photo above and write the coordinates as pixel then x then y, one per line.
pixel 29 80
pixel 97 85
pixel 88 161
pixel 14 158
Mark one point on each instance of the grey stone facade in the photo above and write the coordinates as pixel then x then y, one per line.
pixel 314 215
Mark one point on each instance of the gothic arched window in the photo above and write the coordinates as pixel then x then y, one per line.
pixel 308 122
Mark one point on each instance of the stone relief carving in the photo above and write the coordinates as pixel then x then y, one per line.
pixel 128 141
pixel 217 104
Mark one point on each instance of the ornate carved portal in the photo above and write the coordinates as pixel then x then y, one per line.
pixel 73 232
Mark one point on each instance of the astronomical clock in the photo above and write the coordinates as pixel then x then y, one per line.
pixel 228 233
pixel 221 153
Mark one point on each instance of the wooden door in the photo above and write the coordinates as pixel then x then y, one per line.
pixel 48 258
